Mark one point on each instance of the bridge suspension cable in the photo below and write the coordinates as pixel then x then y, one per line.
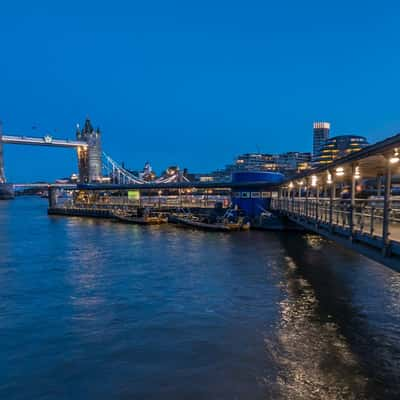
pixel 121 175
pixel 118 173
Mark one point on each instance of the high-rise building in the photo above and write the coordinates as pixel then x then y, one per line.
pixel 340 146
pixel 320 136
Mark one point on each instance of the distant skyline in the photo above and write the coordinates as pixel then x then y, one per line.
pixel 194 84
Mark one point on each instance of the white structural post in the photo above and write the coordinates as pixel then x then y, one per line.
pixel 386 209
pixel 379 185
pixel 352 199
pixel 306 202
pixel 332 195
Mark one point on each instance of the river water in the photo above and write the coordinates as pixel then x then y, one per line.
pixel 93 309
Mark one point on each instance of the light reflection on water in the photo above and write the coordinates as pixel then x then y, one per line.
pixel 314 358
pixel 96 309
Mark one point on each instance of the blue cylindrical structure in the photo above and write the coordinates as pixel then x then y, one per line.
pixel 253 198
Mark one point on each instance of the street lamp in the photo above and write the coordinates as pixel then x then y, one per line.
pixel 357 174
pixel 339 171
pixel 328 178
pixel 314 180
pixel 396 157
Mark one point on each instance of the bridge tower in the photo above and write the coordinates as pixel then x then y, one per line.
pixel 2 175
pixel 90 158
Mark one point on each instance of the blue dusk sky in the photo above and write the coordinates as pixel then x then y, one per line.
pixel 194 83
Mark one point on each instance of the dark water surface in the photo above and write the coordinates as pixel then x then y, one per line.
pixel 92 309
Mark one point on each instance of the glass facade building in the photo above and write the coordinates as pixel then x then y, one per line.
pixel 340 146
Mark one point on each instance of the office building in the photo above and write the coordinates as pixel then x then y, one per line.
pixel 320 136
pixel 340 146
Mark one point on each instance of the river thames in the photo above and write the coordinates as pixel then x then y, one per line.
pixel 93 309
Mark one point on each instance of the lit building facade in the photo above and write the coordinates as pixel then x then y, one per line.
pixel 293 161
pixel 255 162
pixel 340 146
pixel 287 163
pixel 321 132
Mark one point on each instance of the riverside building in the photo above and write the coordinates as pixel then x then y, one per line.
pixel 288 163
pixel 255 162
pixel 340 146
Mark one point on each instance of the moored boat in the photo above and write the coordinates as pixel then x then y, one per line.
pixel 144 219
pixel 222 226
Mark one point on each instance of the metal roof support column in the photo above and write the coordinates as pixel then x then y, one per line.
pixel 352 200
pixel 299 195
pixel 306 202
pixel 292 199
pixel 287 199
pixel 386 210
pixel 332 195
pixel 319 210
pixel 379 185
pixel 279 197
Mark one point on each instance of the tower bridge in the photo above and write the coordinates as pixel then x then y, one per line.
pixel 87 145
pixel 93 163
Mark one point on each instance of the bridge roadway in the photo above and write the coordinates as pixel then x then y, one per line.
pixel 42 141
pixel 44 185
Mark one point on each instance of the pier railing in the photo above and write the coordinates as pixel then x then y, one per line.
pixel 363 218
